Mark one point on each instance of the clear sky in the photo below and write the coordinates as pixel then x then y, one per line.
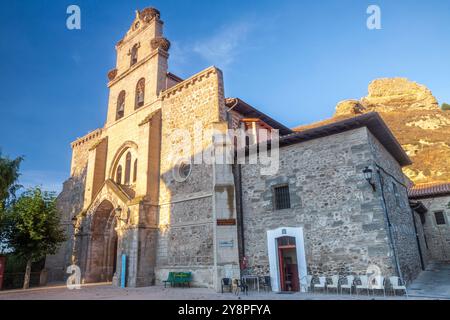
pixel 294 60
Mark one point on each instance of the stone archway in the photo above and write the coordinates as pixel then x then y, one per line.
pixel 103 239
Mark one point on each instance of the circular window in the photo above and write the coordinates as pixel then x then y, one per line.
pixel 182 171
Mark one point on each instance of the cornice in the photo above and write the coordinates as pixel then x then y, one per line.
pixel 189 82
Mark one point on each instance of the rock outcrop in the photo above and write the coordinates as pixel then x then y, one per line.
pixel 413 114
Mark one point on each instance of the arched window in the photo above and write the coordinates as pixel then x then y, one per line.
pixel 134 54
pixel 119 175
pixel 135 171
pixel 127 169
pixel 120 105
pixel 140 94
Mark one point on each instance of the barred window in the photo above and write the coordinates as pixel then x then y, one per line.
pixel 282 198
pixel 439 216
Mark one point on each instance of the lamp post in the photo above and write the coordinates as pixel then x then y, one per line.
pixel 368 175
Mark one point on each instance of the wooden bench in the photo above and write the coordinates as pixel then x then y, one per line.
pixel 175 278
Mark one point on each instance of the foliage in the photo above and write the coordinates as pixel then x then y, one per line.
pixel 9 174
pixel 446 107
pixel 34 229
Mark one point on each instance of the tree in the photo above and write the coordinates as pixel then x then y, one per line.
pixel 9 174
pixel 34 229
pixel 446 107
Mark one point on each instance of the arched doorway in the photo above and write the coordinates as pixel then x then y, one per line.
pixel 103 245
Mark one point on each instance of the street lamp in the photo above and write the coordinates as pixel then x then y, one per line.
pixel 368 175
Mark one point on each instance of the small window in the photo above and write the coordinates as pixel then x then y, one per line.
pixel 127 168
pixel 120 105
pixel 134 55
pixel 439 216
pixel 119 175
pixel 185 170
pixel 135 171
pixel 140 94
pixel 182 171
pixel 282 198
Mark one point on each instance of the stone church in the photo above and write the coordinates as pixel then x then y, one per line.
pixel 337 203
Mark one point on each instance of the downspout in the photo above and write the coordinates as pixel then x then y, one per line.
pixel 422 263
pixel 239 210
pixel 389 225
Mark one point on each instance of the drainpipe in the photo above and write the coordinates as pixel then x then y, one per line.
pixel 388 221
pixel 413 217
pixel 237 171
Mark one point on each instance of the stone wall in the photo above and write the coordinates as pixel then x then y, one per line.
pixel 399 212
pixel 437 236
pixel 186 236
pixel 343 220
pixel 70 203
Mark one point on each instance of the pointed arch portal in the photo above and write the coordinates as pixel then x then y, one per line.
pixel 103 244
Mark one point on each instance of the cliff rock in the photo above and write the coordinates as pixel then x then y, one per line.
pixel 413 114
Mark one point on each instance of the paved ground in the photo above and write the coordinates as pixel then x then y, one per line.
pixel 108 292
pixel 434 283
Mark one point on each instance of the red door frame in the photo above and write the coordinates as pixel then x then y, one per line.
pixel 281 263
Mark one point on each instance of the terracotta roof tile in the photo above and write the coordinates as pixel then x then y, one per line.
pixel 429 190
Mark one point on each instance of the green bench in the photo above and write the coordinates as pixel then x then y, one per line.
pixel 181 278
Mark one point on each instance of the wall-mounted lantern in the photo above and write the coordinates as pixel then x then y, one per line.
pixel 118 211
pixel 74 222
pixel 368 175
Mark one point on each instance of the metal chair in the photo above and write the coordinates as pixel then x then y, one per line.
pixel 241 286
pixel 334 284
pixel 308 285
pixel 349 283
pixel 321 285
pixel 226 282
pixel 266 283
pixel 364 280
pixel 378 283
pixel 396 284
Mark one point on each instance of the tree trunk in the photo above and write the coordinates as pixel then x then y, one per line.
pixel 26 281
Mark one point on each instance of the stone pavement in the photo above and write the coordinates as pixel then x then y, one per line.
pixel 108 292
pixel 433 282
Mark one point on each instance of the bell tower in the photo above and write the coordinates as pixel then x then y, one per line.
pixel 141 67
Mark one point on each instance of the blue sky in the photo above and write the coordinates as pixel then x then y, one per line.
pixel 293 60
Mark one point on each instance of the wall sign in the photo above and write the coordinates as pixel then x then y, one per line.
pixel 226 244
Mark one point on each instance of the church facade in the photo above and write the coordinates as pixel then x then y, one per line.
pixel 337 202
